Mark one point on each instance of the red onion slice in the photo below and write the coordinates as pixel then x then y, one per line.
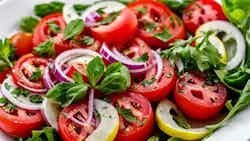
pixel 90 106
pixel 65 57
pixel 20 101
pixel 48 82
pixel 159 63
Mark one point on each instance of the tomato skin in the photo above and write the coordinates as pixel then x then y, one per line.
pixel 139 133
pixel 42 32
pixel 21 125
pixel 159 89
pixel 3 74
pixel 23 43
pixel 200 12
pixel 164 13
pixel 121 30
pixel 198 100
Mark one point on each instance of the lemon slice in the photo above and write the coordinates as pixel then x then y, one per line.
pixel 166 123
pixel 109 125
pixel 218 44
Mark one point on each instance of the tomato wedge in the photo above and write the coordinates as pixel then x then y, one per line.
pixel 152 89
pixel 139 125
pixel 119 31
pixel 19 122
pixel 43 32
pixel 25 68
pixel 198 99
pixel 200 12
pixel 70 130
pixel 157 24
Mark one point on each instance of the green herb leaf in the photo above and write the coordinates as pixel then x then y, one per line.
pixel 128 115
pixel 45 49
pixel 7 53
pixel 45 9
pixel 74 28
pixel 86 40
pixel 67 93
pixel 146 83
pixel 100 11
pixel 229 105
pixel 9 107
pixel 141 10
pixel 164 35
pixel 177 6
pixel 54 27
pixel 46 134
pixel 79 8
pixel 95 70
pixel 174 139
pixel 28 24
pixel 143 58
pixel 149 26
pixel 109 19
pixel 3 100
pixel 180 119
pixel 36 75
pixel 77 77
pixel 154 138
pixel 36 98
pixel 125 1
pixel 116 79
pixel 20 91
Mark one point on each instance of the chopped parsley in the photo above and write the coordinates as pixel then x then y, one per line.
pixel 36 98
pixel 110 18
pixel 7 86
pixel 128 115
pixel 149 26
pixel 100 11
pixel 54 27
pixel 142 10
pixel 143 58
pixel 9 107
pixel 3 101
pixel 36 75
pixel 164 35
pixel 148 82
pixel 19 91
pixel 172 21
pixel 86 40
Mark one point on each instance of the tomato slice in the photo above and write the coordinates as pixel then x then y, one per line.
pixel 141 127
pixel 23 43
pixel 154 18
pixel 25 68
pixel 81 68
pixel 153 89
pixel 198 99
pixel 70 130
pixel 19 122
pixel 119 31
pixel 200 12
pixel 43 32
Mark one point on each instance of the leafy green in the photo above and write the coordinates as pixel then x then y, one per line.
pixel 95 70
pixel 74 28
pixel 128 115
pixel 149 26
pixel 79 8
pixel 45 49
pixel 110 18
pixel 154 138
pixel 20 91
pixel 28 24
pixel 7 54
pixel 143 58
pixel 164 35
pixel 67 93
pixel 87 40
pixel 148 82
pixel 45 9
pixel 242 103
pixel 176 5
pixel 229 105
pixel 125 1
pixel 142 10
pixel 116 79
pixel 179 118
pixel 9 107
pixel 46 134
pixel 36 75
pixel 36 98
pixel 3 100
pixel 54 27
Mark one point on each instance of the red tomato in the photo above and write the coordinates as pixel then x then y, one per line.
pixel 197 99
pixel 3 74
pixel 140 108
pixel 81 68
pixel 71 131
pixel 25 67
pixel 152 89
pixel 119 31
pixel 154 18
pixel 19 122
pixel 23 43
pixel 42 31
pixel 200 12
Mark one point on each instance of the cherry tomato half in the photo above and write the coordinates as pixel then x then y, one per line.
pixel 153 89
pixel 196 98
pixel 25 68
pixel 23 43
pixel 200 12
pixel 43 32
pixel 140 128
pixel 118 31
pixel 155 19
pixel 70 130
pixel 19 122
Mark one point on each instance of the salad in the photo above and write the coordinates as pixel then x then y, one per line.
pixel 139 70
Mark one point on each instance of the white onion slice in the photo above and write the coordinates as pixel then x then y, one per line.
pixel 20 101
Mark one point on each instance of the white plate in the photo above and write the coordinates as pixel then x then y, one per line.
pixel 11 11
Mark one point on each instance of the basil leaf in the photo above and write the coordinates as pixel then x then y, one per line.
pixel 78 78
pixel 128 115
pixel 95 70
pixel 143 58
pixel 177 6
pixel 46 134
pixel 87 40
pixel 45 9
pixel 45 49
pixel 74 28
pixel 79 8
pixel 164 35
pixel 28 24
pixel 67 93
pixel 54 27
pixel 109 19
pixel 3 101
pixel 116 79
pixel 7 53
